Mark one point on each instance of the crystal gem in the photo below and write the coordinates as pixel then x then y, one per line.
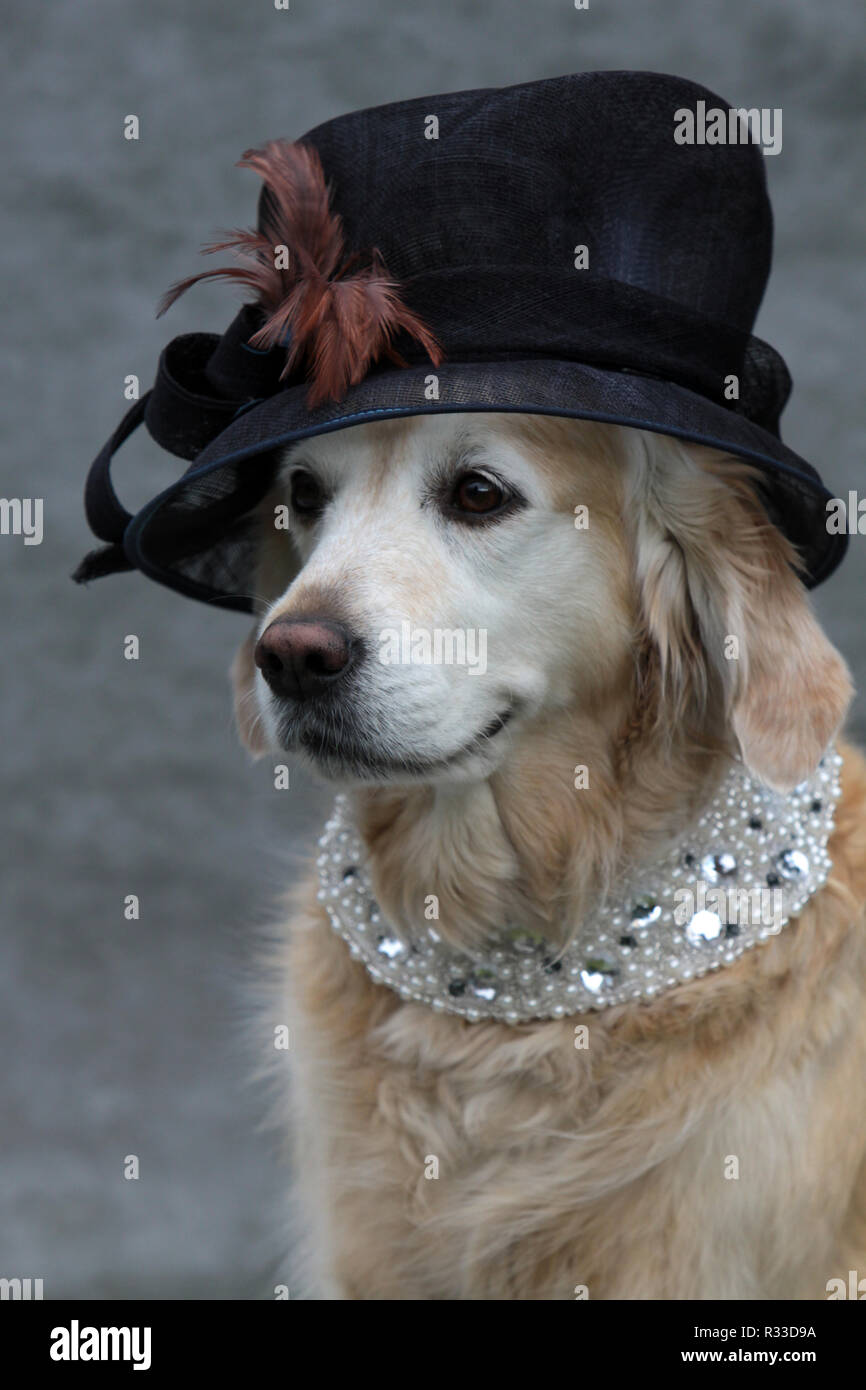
pixel 645 911
pixel 704 926
pixel 390 946
pixel 792 864
pixel 716 866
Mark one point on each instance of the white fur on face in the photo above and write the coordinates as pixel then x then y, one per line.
pixel 523 607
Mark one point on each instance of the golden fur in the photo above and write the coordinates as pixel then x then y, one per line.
pixel 604 1170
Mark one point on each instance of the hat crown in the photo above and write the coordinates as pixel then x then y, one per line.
pixel 520 176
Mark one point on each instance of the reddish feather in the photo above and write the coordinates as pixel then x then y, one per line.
pixel 339 323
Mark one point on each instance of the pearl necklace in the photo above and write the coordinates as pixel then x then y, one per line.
pixel 746 867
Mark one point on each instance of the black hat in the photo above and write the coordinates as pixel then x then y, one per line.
pixel 549 248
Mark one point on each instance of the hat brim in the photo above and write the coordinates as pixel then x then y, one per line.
pixel 199 536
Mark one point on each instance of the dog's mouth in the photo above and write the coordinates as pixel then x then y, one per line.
pixel 347 754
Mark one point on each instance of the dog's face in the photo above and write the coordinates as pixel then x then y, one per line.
pixel 437 587
pixel 425 625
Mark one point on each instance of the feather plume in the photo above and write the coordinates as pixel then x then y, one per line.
pixel 335 324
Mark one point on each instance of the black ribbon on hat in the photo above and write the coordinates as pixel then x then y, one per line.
pixel 203 382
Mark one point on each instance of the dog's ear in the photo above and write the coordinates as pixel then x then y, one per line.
pixel 790 695
pixel 247 718
pixel 723 604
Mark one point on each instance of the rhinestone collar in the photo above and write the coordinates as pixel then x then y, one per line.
pixel 748 865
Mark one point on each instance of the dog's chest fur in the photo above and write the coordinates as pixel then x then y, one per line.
pixel 699 1147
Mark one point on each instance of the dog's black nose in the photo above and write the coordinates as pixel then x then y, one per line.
pixel 300 657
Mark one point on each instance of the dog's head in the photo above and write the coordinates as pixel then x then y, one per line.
pixel 435 589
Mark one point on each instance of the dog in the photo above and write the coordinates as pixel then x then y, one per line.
pixel 439 1158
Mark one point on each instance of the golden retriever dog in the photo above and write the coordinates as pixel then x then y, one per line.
pixel 705 1141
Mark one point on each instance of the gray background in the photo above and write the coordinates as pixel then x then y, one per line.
pixel 123 777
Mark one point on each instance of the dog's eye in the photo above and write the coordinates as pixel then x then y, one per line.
pixel 477 495
pixel 308 498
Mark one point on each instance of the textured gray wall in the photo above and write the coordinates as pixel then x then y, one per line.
pixel 124 777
